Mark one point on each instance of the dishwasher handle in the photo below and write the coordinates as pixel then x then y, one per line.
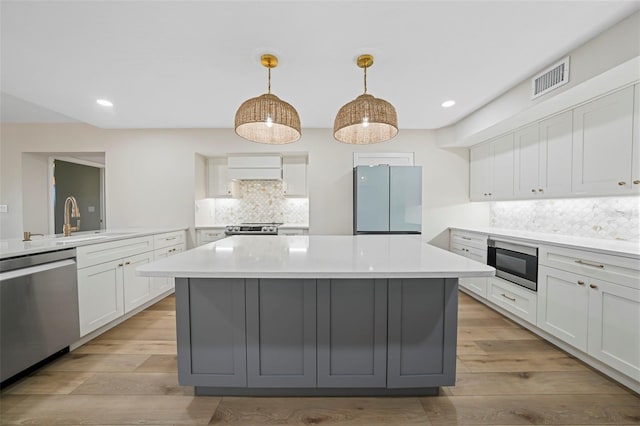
pixel 17 273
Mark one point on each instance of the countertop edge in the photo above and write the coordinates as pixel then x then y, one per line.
pixel 130 233
pixel 582 243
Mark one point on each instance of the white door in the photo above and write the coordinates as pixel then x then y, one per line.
pixel 527 160
pixel 100 290
pixel 137 289
pixel 556 154
pixel 563 302
pixel 602 154
pixel 502 168
pixel 480 172
pixel 614 326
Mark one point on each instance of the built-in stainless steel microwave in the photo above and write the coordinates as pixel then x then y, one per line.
pixel 514 262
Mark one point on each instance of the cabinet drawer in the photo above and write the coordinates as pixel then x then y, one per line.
pixel 205 236
pixel 167 251
pixel 168 239
pixel 513 298
pixel 469 239
pixel 292 231
pixel 95 254
pixel 616 269
pixel 478 285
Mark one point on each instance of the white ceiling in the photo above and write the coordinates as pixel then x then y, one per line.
pixel 182 64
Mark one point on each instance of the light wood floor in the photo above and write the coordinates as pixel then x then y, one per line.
pixel 506 376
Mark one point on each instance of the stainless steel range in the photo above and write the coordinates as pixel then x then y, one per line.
pixel 270 228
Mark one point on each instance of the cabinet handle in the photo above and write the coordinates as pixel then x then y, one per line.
pixel 171 238
pixel 120 264
pixel 636 182
pixel 582 262
pixel 127 263
pixel 466 238
pixel 541 190
pixel 593 286
pixel 622 183
pixel 489 194
pixel 580 282
pixel 507 297
pixel 533 190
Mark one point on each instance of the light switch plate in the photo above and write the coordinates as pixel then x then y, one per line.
pixel 4 208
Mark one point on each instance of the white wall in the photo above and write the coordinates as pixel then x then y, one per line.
pixel 151 174
pixel 35 196
pixel 609 49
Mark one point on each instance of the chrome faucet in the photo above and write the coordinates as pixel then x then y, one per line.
pixel 75 213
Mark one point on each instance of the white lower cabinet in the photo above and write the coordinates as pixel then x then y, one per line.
pixel 137 289
pixel 160 285
pixel 108 286
pixel 292 231
pixel 472 246
pixel 100 290
pixel 614 326
pixel 563 303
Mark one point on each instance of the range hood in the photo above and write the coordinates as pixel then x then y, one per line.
pixel 255 167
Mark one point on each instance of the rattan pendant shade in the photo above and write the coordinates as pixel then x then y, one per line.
pixel 267 118
pixel 366 119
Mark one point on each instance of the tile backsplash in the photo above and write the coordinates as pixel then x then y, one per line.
pixel 258 201
pixel 607 218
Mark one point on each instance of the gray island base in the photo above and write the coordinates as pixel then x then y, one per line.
pixel 316 337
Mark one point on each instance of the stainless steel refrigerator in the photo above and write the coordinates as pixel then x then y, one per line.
pixel 387 199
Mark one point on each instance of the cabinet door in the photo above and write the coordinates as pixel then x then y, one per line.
pixel 371 199
pixel 352 333
pixel 422 331
pixel 281 333
pixel 100 290
pixel 210 319
pixel 635 169
pixel 218 182
pixel 614 334
pixel 480 172
pixel 502 167
pixel 563 301
pixel 160 285
pixel 294 177
pixel 137 289
pixel 527 162
pixel 556 154
pixel 602 153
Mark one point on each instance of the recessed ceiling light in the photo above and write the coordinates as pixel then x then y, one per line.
pixel 104 102
pixel 447 104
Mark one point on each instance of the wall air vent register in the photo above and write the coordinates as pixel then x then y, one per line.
pixel 550 79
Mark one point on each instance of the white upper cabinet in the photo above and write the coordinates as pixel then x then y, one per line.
pixel 491 173
pixel 556 148
pixel 543 158
pixel 480 172
pixel 294 176
pixel 503 166
pixel 603 145
pixel 635 169
pixel 218 184
pixel 527 162
pixel 593 149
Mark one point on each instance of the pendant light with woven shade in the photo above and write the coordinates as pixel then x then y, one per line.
pixel 366 119
pixel 267 118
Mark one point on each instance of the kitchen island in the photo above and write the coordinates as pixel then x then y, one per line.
pixel 316 315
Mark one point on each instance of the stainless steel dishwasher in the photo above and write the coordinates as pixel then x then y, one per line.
pixel 38 309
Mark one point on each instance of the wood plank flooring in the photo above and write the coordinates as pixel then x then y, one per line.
pixel 506 376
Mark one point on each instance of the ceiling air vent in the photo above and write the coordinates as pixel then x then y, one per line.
pixel 550 79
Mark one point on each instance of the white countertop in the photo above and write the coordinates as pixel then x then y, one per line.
pixel 38 244
pixel 284 225
pixel 613 247
pixel 317 256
